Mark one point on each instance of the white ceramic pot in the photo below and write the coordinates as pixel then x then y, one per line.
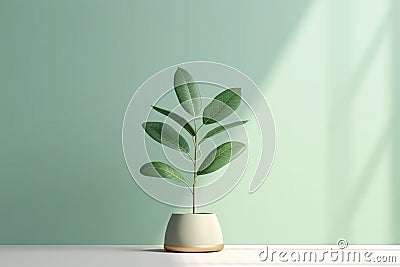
pixel 199 232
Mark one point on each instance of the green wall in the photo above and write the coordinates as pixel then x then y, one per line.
pixel 328 69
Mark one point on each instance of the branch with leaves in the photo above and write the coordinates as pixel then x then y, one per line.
pixel 188 94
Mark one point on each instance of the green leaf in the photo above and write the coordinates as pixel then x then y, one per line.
pixel 222 106
pixel 180 120
pixel 187 92
pixel 166 135
pixel 221 156
pixel 221 128
pixel 162 170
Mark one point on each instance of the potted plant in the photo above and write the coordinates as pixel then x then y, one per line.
pixel 194 232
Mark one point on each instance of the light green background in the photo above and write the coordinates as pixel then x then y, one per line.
pixel 329 69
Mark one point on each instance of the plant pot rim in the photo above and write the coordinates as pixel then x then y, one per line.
pixel 194 214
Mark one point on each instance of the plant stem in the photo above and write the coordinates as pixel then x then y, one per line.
pixel 199 128
pixel 189 156
pixel 194 167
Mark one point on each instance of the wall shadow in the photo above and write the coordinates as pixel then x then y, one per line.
pixel 346 83
pixel 358 191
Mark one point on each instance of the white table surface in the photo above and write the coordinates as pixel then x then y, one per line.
pixel 119 256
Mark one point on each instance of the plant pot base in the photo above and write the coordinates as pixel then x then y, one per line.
pixel 212 248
